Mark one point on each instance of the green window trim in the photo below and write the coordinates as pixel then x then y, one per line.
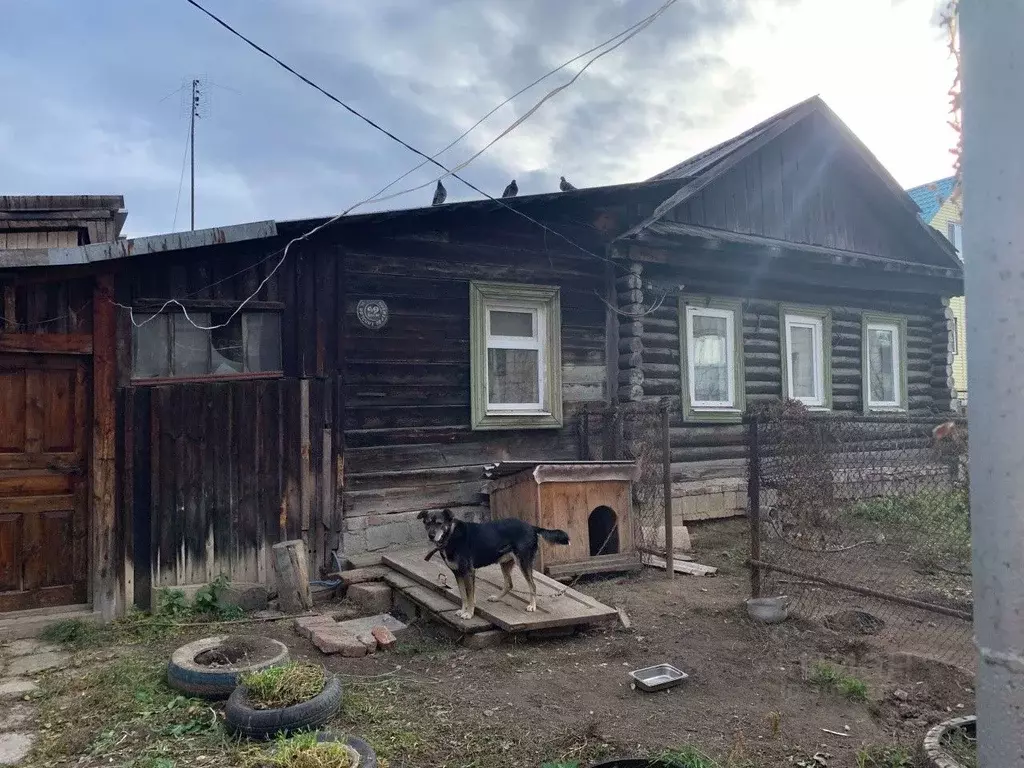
pixel 900 323
pixel 824 316
pixel 546 300
pixel 731 414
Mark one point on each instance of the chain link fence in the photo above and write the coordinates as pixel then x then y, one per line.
pixel 635 431
pixel 865 524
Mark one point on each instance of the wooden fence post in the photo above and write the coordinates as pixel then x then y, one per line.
pixel 666 478
pixel 291 565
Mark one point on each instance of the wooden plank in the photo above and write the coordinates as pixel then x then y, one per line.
pixel 557 606
pixel 47 343
pixel 444 610
pixel 598 564
pixel 107 561
pixel 690 569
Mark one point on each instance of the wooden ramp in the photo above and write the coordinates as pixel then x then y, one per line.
pixel 557 605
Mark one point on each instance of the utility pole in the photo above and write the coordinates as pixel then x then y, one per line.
pixel 193 114
pixel 992 64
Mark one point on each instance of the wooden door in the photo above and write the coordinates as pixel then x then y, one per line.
pixel 44 471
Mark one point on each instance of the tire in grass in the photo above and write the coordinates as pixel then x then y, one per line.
pixel 367 757
pixel 209 668
pixel 243 719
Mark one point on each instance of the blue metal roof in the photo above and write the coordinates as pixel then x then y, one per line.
pixel 930 197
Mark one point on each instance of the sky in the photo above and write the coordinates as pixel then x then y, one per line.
pixel 93 102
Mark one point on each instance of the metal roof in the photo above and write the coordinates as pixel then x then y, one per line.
pixel 930 197
pixel 139 246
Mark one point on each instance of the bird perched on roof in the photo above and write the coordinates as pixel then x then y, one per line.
pixel 511 190
pixel 565 186
pixel 440 194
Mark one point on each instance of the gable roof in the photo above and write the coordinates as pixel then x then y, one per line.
pixel 702 169
pixel 930 197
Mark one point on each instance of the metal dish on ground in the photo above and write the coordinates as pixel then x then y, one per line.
pixel 657 678
pixel 768 610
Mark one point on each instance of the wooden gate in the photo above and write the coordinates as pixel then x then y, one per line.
pixel 44 463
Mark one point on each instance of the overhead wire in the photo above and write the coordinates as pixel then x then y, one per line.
pixel 647 20
pixel 427 159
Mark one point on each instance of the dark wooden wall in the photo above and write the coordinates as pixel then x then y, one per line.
pixel 32 301
pixel 703 451
pixel 806 187
pixel 407 386
pixel 221 471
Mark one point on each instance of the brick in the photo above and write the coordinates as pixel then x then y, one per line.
pixel 367 639
pixel 358 626
pixel 374 597
pixel 336 640
pixel 305 625
pixel 385 637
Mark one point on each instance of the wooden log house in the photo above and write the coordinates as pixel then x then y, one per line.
pixel 375 368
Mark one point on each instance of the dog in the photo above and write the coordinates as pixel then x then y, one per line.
pixel 464 547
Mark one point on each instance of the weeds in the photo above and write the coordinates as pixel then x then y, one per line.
pixel 73 633
pixel 962 746
pixel 884 757
pixel 936 525
pixel 826 675
pixel 303 751
pixel 284 686
pixel 775 723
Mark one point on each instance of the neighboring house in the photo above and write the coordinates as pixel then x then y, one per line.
pixel 941 208
pixel 386 359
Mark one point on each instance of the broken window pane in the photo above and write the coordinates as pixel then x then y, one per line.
pixel 226 355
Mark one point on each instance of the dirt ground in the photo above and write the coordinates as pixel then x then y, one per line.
pixel 756 696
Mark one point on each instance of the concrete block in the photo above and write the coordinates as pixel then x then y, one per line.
pixel 367 639
pixel 15 689
pixel 248 597
pixel 486 639
pixel 373 596
pixel 305 625
pixel 367 623
pixel 376 537
pixel 36 662
pixel 27 646
pixel 336 640
pixel 15 746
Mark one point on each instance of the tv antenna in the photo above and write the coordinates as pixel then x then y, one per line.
pixel 196 90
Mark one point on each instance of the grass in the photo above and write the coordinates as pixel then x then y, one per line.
pixel 962 746
pixel 826 675
pixel 73 633
pixel 884 757
pixel 302 751
pixel 936 525
pixel 284 686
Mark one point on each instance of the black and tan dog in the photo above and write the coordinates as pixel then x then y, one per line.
pixel 468 546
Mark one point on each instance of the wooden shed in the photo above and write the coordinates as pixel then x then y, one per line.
pixel 592 501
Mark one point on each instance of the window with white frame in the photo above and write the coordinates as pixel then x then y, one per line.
pixel 167 345
pixel 516 361
pixel 884 377
pixel 805 357
pixel 956 236
pixel 713 383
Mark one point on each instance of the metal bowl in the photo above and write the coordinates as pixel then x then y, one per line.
pixel 657 678
pixel 768 610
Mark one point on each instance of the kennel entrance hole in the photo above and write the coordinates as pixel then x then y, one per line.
pixel 603 529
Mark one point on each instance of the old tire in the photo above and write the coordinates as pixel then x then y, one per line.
pixel 243 653
pixel 243 719
pixel 367 757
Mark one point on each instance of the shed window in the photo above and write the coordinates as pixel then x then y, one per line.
pixel 515 366
pixel 712 348
pixel 167 345
pixel 884 366
pixel 806 359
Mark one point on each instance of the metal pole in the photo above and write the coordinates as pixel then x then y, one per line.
pixel 754 502
pixel 192 145
pixel 992 58
pixel 666 480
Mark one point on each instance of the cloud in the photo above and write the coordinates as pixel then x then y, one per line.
pixel 91 119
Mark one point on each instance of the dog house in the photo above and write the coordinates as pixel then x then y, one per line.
pixel 592 501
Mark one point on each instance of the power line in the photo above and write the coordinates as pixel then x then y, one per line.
pixel 386 132
pixel 329 222
pixel 645 22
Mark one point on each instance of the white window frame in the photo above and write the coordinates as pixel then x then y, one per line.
pixel 538 342
pixel 543 302
pixel 729 316
pixel 897 366
pixel 955 234
pixel 816 325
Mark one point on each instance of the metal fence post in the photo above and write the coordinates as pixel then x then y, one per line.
pixel 666 479
pixel 754 504
pixel 993 193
